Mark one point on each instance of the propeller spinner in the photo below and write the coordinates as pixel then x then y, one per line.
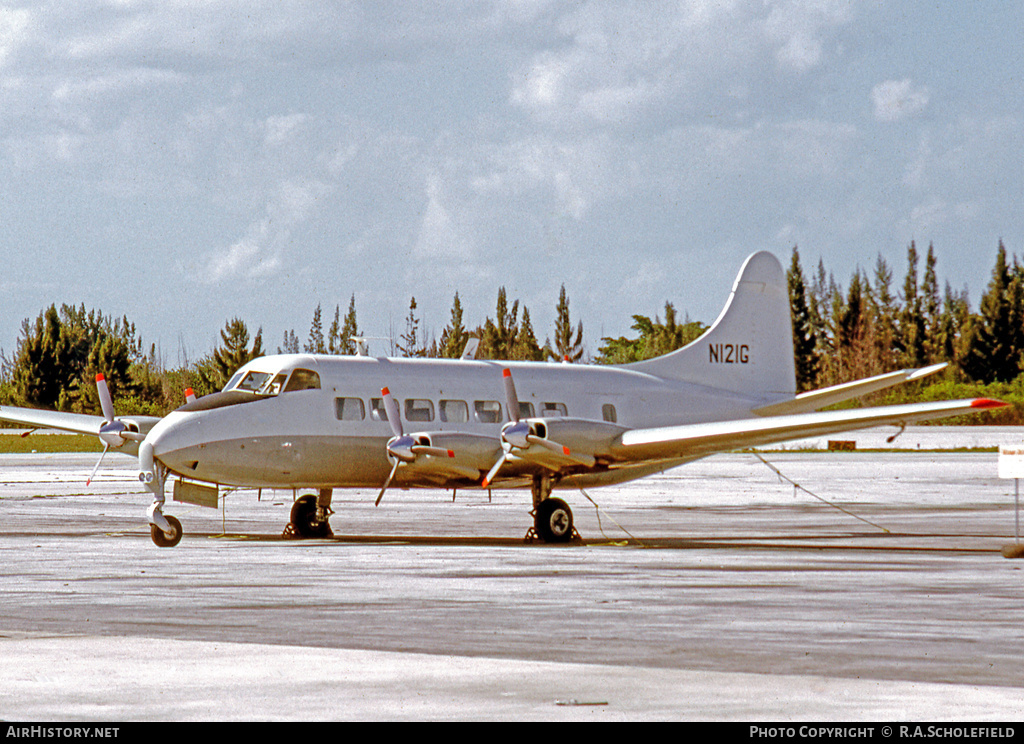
pixel 402 448
pixel 113 432
pixel 517 434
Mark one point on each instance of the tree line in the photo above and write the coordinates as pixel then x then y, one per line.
pixel 868 327
pixel 872 327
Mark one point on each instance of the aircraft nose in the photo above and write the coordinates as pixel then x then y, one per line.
pixel 174 434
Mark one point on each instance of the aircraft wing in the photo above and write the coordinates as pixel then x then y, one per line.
pixel 76 423
pixel 79 423
pixel 699 440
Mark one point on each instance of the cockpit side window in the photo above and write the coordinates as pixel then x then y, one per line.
pixel 274 386
pixel 233 381
pixel 303 379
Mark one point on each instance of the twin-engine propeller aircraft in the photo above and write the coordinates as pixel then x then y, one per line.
pixel 322 422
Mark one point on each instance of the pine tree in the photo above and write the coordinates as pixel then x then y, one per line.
pixel 953 322
pixel 410 345
pixel 334 334
pixel 567 347
pixel 911 320
pixel 454 336
pixel 884 311
pixel 931 307
pixel 290 344
pixel 525 346
pixel 994 343
pixel 59 356
pixel 349 330
pixel 853 338
pixel 235 352
pixel 498 336
pixel 805 344
pixel 315 344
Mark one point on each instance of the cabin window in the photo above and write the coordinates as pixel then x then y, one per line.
pixel 349 409
pixel 487 411
pixel 377 410
pixel 549 410
pixel 454 411
pixel 608 413
pixel 303 379
pixel 526 410
pixel 419 409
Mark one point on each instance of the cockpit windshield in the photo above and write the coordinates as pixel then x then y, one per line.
pixel 268 383
pixel 253 382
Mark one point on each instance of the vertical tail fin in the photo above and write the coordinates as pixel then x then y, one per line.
pixel 749 348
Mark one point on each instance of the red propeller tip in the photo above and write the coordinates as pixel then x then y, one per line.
pixel 506 372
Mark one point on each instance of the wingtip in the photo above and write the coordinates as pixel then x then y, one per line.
pixel 988 404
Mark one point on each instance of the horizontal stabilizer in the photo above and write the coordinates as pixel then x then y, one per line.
pixel 815 400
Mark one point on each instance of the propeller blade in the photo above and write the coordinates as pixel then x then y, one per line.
pixel 93 473
pixel 387 483
pixel 422 449
pixel 105 402
pixel 489 478
pixel 548 444
pixel 511 399
pixel 391 409
pixel 189 395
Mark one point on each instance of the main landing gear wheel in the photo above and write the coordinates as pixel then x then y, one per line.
pixel 304 520
pixel 161 538
pixel 552 521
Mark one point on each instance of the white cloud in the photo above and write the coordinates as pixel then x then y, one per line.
pixel 797 28
pixel 247 258
pixel 439 236
pixel 14 22
pixel 258 253
pixel 898 99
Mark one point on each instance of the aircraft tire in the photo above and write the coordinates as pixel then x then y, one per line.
pixel 304 521
pixel 553 521
pixel 160 537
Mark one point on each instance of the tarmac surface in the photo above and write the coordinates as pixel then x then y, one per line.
pixel 875 591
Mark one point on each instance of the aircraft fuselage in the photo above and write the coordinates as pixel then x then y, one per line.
pixel 333 435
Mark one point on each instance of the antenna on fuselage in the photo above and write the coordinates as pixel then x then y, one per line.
pixel 362 344
pixel 471 346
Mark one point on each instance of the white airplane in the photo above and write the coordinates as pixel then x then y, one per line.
pixel 324 422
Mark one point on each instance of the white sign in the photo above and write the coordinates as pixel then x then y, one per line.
pixel 1011 461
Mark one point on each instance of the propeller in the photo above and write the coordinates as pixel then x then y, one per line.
pixel 113 433
pixel 517 434
pixel 403 448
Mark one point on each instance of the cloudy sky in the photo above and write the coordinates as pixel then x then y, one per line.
pixel 182 162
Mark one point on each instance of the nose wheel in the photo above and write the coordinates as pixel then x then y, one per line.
pixel 164 538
